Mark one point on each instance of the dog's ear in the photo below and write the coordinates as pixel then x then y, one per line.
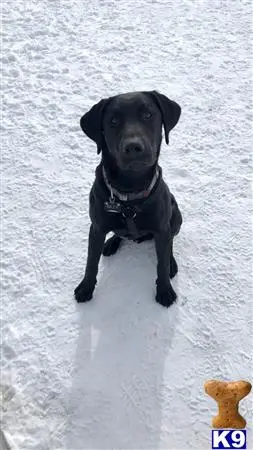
pixel 170 111
pixel 91 123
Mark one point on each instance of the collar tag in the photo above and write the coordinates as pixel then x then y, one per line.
pixel 112 206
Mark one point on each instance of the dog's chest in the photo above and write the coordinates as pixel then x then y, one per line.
pixel 132 227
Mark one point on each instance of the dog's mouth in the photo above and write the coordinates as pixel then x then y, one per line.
pixel 135 165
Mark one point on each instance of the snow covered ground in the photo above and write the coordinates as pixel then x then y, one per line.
pixel 122 372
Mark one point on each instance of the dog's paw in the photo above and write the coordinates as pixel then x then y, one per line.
pixel 173 267
pixel 111 246
pixel 84 291
pixel 165 295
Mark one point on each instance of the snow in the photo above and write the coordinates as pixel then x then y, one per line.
pixel 121 372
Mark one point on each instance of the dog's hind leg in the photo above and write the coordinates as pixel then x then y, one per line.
pixel 175 223
pixel 173 264
pixel 112 245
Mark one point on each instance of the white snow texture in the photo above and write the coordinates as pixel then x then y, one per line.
pixel 121 372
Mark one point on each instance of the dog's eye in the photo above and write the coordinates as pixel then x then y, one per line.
pixel 114 121
pixel 146 115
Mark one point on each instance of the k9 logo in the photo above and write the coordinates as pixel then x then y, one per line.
pixel 229 439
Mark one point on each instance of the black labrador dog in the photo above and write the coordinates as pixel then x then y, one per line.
pixel 129 195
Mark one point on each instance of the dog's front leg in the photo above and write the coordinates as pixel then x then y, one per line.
pixel 84 290
pixel 165 295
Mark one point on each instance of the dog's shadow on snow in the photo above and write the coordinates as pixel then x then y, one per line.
pixel 116 397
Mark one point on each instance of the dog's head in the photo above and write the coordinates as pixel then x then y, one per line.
pixel 129 127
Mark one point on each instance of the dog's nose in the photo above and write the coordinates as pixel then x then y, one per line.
pixel 132 148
